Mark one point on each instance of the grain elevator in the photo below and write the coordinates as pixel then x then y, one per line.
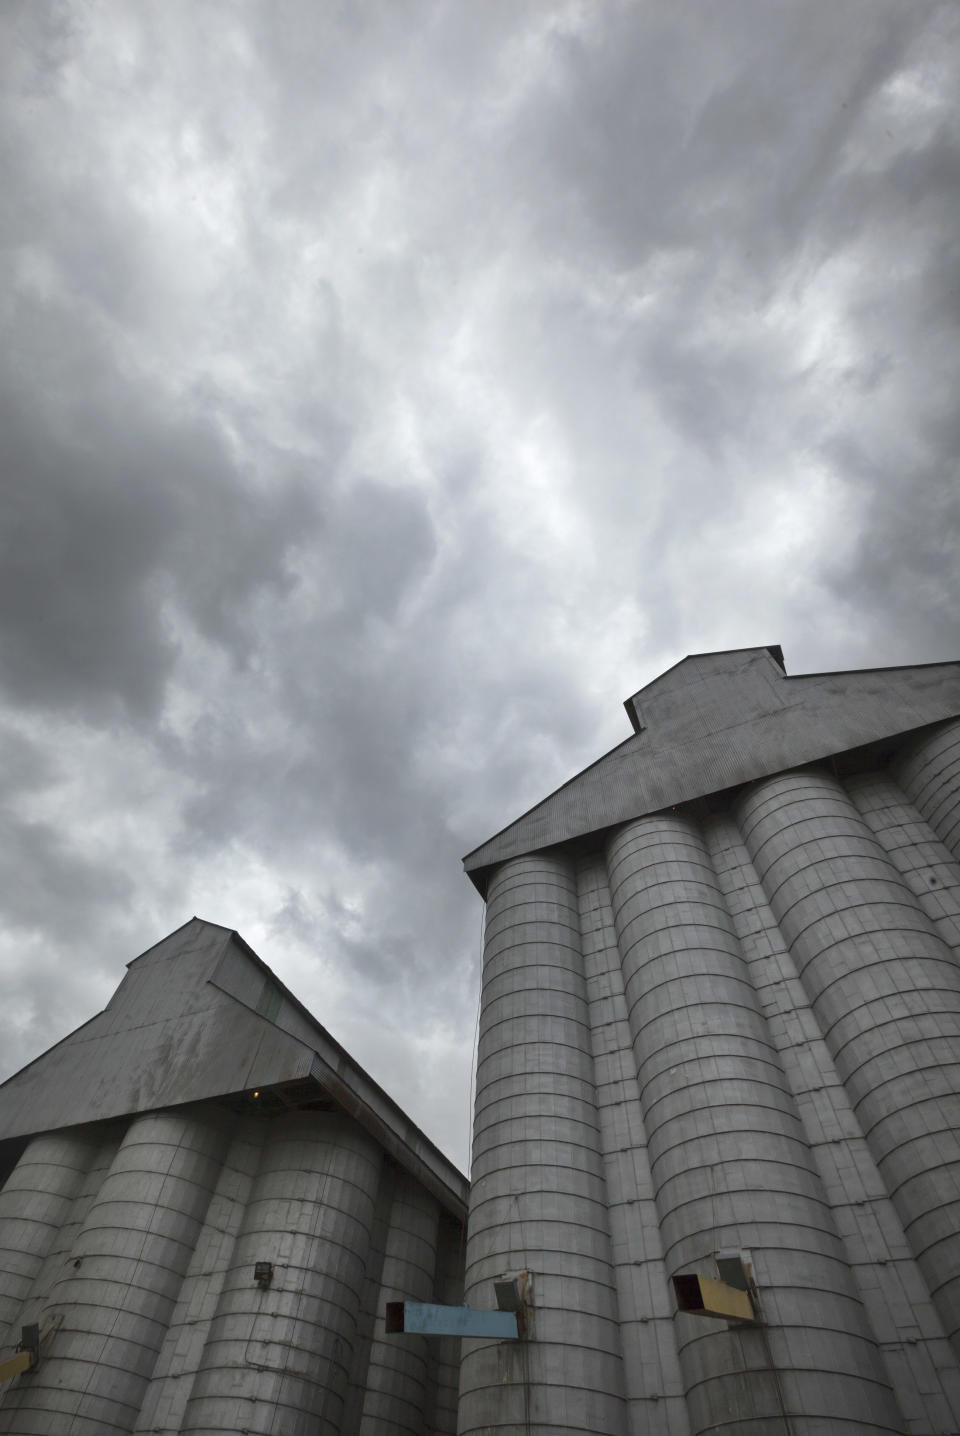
pixel 718 1067
pixel 205 1205
pixel 716 1173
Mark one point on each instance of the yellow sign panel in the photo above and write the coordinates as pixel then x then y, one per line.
pixel 704 1296
pixel 15 1364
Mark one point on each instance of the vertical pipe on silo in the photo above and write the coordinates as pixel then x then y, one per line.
pixel 35 1203
pixel 538 1199
pixel 926 864
pixel 277 1357
pixel 656 1402
pixel 928 771
pixel 127 1264
pixel 886 993
pixel 729 1160
pixel 396 1386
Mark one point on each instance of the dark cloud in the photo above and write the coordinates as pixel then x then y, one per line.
pixel 78 621
pixel 25 765
pixel 116 513
pixel 714 132
pixel 48 886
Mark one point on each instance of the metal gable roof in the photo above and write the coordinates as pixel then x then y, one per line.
pixel 198 1017
pixel 716 720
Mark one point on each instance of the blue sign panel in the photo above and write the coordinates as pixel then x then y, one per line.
pixel 428 1320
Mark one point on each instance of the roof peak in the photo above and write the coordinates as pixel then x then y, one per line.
pixel 200 1017
pixel 716 664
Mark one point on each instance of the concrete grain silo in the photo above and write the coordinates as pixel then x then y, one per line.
pixel 205 1205
pixel 720 1043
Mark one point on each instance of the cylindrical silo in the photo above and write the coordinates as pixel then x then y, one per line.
pixel 34 1204
pixel 886 992
pixel 278 1354
pixel 538 1198
pixel 105 1141
pixel 166 1398
pixel 731 1168
pixel 656 1401
pixel 125 1272
pixel 926 864
pixel 928 770
pixel 901 1315
pixel 396 1395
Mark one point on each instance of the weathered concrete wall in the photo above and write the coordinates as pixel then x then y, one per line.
pixel 885 990
pixel 397 1390
pixel 143 1236
pixel 731 1027
pixel 538 1181
pixel 35 1204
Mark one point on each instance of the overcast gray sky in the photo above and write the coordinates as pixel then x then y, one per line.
pixel 387 390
